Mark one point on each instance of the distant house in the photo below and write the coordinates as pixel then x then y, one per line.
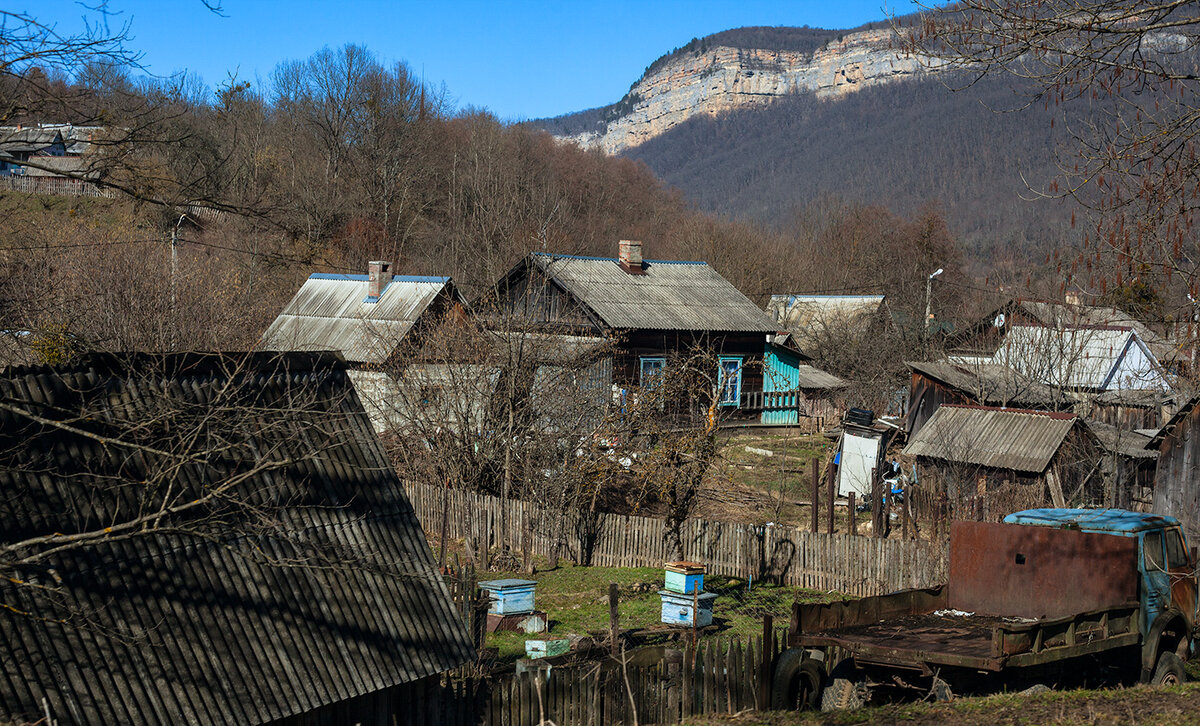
pixel 936 383
pixel 368 319
pixel 1177 483
pixel 1006 459
pixel 980 341
pixel 222 624
pixel 814 320
pixel 1091 360
pixel 45 149
pixel 654 309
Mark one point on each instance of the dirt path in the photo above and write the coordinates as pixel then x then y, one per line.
pixel 1139 705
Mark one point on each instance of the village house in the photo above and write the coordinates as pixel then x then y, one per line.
pixel 815 321
pixel 979 341
pixel 1002 460
pixel 368 319
pixel 652 310
pixel 53 149
pixel 334 613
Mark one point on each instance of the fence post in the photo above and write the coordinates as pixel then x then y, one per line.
pixel 850 513
pixel 832 496
pixel 764 666
pixel 876 505
pixel 904 507
pixel 613 617
pixel 816 495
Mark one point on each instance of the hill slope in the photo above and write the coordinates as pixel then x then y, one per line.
pixel 901 145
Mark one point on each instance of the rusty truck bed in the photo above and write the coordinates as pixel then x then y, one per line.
pixel 905 629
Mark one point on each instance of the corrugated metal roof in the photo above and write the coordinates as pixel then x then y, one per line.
pixel 1057 314
pixel 178 629
pixel 1000 438
pixel 1075 357
pixel 813 318
pixel 815 378
pixel 670 295
pixel 329 312
pixel 1131 444
pixel 988 383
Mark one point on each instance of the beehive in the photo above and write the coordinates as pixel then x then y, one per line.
pixel 677 609
pixel 509 597
pixel 685 577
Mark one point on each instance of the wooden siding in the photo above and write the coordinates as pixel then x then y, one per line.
pixel 536 301
pixel 1177 484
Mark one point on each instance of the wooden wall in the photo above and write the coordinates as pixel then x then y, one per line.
pixel 1177 484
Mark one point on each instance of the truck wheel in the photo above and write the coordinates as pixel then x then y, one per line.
pixel 1169 671
pixel 796 684
pixel 842 691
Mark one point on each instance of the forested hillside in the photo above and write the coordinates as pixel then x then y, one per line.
pixel 901 145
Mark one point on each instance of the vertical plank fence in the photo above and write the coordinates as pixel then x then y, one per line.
pixel 859 566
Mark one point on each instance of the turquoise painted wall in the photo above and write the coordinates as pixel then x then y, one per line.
pixel 781 372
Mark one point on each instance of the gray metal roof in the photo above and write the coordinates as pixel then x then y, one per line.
pixel 202 630
pixel 1013 439
pixel 329 312
pixel 988 383
pixel 1131 444
pixel 815 378
pixel 670 295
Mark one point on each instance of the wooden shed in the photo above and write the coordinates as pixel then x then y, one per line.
pixel 1004 460
pixel 1177 482
pixel 935 383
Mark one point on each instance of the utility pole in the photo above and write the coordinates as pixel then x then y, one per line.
pixel 929 300
pixel 174 270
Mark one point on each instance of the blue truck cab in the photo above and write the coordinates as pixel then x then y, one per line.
pixel 1166 567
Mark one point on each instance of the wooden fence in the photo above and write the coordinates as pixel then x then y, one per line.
pixel 53 185
pixel 854 565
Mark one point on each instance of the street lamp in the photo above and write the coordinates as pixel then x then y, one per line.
pixel 929 299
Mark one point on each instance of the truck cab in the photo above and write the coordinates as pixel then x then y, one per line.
pixel 1166 568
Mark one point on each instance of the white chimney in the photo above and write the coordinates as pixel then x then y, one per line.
pixel 629 254
pixel 378 276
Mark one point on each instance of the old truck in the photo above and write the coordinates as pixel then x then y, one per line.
pixel 1049 596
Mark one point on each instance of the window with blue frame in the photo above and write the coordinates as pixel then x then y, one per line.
pixel 730 381
pixel 651 368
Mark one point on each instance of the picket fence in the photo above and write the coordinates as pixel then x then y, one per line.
pixel 859 566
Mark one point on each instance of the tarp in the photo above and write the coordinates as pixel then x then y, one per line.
pixel 858 456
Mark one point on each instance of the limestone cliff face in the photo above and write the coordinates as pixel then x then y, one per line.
pixel 723 78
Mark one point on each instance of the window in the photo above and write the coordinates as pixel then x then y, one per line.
pixel 1152 551
pixel 730 382
pixel 651 369
pixel 1177 556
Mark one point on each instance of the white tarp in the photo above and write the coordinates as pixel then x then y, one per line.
pixel 859 454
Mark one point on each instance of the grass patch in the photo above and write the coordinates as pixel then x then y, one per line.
pixel 575 600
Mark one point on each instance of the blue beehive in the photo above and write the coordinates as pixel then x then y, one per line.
pixel 685 577
pixel 677 608
pixel 510 597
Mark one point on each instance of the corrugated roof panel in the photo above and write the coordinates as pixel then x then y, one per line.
pixel 988 383
pixel 812 318
pixel 1080 358
pixel 815 378
pixel 329 312
pixel 187 630
pixel 668 296
pixel 999 438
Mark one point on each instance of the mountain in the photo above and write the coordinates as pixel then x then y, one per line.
pixel 736 69
pixel 762 132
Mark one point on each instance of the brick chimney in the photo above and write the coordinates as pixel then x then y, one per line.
pixel 629 255
pixel 378 276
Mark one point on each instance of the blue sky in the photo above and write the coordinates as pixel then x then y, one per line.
pixel 518 59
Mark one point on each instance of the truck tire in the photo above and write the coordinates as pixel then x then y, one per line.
pixel 1169 671
pixel 842 691
pixel 796 682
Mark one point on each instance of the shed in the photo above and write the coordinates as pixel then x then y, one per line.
pixel 1127 465
pixel 1006 459
pixel 934 383
pixel 795 392
pixel 1177 481
pixel 328 608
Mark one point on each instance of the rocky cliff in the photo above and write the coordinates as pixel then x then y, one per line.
pixel 722 78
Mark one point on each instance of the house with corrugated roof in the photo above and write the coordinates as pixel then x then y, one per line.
pixel 815 320
pixel 370 320
pixel 1083 359
pixel 1002 460
pixel 656 309
pixel 936 383
pixel 210 539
